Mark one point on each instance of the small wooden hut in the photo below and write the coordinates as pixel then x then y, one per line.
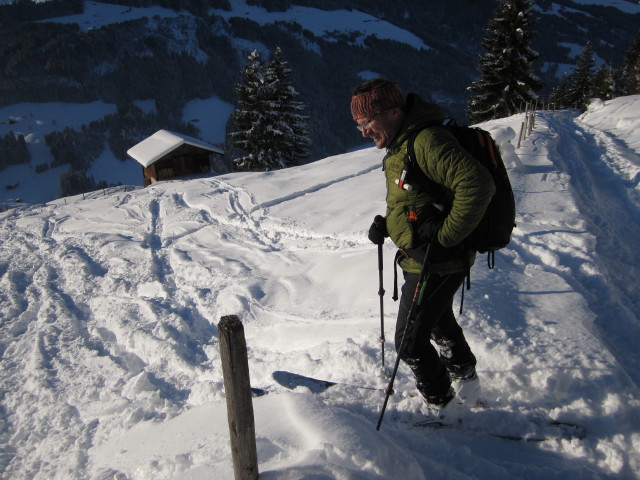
pixel 166 155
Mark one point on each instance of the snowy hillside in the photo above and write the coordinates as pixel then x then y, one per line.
pixel 62 72
pixel 109 360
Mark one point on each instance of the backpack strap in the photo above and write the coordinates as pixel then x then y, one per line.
pixel 467 271
pixel 409 164
pixel 412 175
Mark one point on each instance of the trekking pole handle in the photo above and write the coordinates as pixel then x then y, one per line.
pixel 379 221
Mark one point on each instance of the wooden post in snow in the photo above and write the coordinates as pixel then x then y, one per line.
pixel 235 371
pixel 532 116
pixel 521 134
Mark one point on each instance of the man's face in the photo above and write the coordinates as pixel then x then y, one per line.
pixel 381 127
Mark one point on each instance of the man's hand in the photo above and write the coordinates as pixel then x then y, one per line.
pixel 428 231
pixel 378 230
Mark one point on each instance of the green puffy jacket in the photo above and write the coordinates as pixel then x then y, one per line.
pixel 467 188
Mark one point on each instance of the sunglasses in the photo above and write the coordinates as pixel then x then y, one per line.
pixel 367 124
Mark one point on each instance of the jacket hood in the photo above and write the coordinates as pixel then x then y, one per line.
pixel 420 114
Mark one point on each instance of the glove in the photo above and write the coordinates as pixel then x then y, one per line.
pixel 378 230
pixel 428 230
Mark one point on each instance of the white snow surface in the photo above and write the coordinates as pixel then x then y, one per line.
pixel 109 356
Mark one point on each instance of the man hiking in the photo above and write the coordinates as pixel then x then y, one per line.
pixel 434 216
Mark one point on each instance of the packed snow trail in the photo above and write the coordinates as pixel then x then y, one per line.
pixel 605 181
pixel 109 362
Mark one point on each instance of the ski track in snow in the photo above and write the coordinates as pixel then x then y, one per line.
pixel 130 320
pixel 109 320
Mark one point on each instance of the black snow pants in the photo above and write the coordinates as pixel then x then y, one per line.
pixel 433 320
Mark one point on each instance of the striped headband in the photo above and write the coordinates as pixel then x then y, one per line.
pixel 368 104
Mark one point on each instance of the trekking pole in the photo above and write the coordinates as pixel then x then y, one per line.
pixel 415 301
pixel 381 295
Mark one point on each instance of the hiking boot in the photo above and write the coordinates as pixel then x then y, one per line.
pixel 448 413
pixel 467 389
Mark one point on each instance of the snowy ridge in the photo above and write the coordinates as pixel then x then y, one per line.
pixel 321 22
pixel 108 309
pixel 629 6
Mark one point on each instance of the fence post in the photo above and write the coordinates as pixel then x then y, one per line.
pixel 531 121
pixel 237 386
pixel 521 134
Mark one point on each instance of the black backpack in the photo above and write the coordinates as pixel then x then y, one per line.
pixel 494 230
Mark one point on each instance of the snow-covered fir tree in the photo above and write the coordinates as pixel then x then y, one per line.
pixel 291 135
pixel 270 127
pixel 507 81
pixel 250 111
pixel 631 68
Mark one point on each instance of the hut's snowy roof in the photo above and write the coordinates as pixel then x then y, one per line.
pixel 161 143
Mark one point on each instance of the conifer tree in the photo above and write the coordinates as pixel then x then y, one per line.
pixel 507 80
pixel 580 89
pixel 631 68
pixel 290 135
pixel 250 114
pixel 13 150
pixel 603 83
pixel 558 97
pixel 270 128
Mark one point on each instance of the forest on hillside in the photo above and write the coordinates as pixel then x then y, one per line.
pixel 161 59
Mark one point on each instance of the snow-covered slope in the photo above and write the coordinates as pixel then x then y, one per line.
pixel 109 356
